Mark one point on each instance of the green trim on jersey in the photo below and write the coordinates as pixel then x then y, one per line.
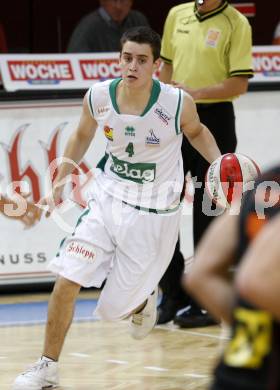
pixel 155 211
pixel 205 50
pixel 178 113
pixel 153 98
pixel 101 164
pixel 112 90
pixel 89 102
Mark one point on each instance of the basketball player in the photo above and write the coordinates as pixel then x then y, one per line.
pixel 250 300
pixel 129 231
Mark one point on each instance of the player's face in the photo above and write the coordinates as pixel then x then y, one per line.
pixel 117 9
pixel 208 5
pixel 137 63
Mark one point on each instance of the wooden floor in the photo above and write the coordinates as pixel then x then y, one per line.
pixel 102 356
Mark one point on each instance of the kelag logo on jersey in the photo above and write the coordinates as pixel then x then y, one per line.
pixel 152 140
pixel 108 131
pixel 163 115
pixel 138 172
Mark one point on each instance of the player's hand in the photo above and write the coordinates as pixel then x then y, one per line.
pixel 19 208
pixel 32 214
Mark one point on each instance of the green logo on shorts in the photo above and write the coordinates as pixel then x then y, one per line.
pixel 137 172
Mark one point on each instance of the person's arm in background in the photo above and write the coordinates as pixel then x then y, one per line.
pixel 209 278
pixel 166 71
pixel 258 277
pixel 197 133
pixel 166 54
pixel 276 37
pixel 233 86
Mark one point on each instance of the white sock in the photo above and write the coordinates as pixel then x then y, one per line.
pixel 47 359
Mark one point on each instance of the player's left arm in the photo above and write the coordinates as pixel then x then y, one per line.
pixel 209 279
pixel 258 278
pixel 198 134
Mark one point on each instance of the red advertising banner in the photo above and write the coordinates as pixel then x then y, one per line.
pixel 247 9
pixel 43 71
pixel 99 69
pixel 79 71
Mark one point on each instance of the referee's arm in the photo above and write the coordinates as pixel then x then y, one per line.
pixel 166 72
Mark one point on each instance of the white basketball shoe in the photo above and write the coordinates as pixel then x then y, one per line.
pixel 41 375
pixel 143 322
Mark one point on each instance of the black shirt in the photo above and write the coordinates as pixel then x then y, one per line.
pixel 251 360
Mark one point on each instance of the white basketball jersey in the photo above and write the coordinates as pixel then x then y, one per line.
pixel 143 164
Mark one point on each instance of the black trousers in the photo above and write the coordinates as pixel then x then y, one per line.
pixel 220 120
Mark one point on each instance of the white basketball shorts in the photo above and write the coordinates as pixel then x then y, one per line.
pixel 128 247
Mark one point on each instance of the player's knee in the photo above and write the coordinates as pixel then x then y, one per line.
pixel 109 313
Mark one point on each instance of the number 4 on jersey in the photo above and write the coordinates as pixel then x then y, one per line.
pixel 130 149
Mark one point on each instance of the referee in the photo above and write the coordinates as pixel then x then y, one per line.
pixel 206 51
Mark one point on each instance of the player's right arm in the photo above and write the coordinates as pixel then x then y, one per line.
pixel 75 149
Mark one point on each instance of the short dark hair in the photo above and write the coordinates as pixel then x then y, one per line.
pixel 143 34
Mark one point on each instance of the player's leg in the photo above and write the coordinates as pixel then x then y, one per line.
pixel 83 260
pixel 145 245
pixel 60 315
pixel 44 373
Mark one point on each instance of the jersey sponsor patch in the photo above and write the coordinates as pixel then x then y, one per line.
pixel 81 251
pixel 213 37
pixel 102 110
pixel 163 114
pixel 108 131
pixel 138 172
pixel 152 139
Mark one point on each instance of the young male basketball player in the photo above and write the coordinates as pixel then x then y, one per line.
pixel 130 228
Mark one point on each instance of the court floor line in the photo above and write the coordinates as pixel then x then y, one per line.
pixel 175 329
pixel 35 313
